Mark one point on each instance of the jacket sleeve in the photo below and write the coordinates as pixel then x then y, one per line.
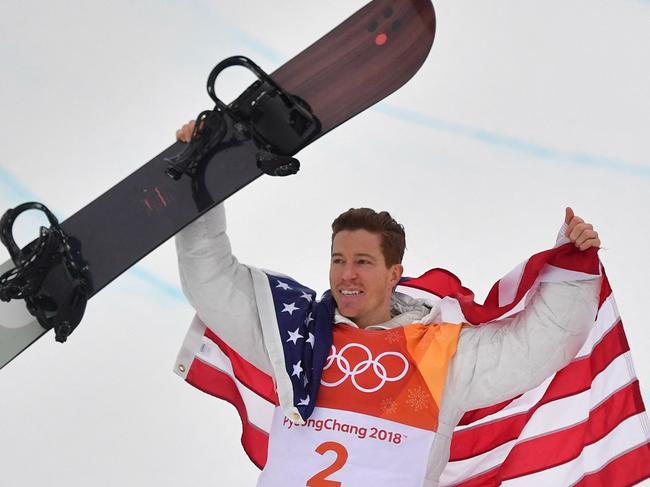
pixel 220 288
pixel 498 361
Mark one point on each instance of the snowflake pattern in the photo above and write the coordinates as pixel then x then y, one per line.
pixel 393 336
pixel 388 406
pixel 418 398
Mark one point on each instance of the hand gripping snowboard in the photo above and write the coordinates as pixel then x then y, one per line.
pixel 364 59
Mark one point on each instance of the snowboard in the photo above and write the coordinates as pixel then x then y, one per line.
pixel 364 59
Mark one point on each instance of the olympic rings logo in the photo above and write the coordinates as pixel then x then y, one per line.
pixel 352 372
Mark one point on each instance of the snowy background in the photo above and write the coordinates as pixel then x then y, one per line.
pixel 521 108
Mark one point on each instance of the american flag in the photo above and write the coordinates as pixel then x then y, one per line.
pixel 304 328
pixel 584 426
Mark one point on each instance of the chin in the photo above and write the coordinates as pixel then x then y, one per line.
pixel 348 312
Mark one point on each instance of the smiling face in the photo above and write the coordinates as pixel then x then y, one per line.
pixel 360 280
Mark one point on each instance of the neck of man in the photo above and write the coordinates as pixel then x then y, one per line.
pixel 377 317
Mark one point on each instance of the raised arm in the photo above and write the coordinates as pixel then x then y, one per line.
pixel 220 288
pixel 495 362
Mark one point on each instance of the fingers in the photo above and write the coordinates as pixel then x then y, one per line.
pixel 580 233
pixel 593 242
pixel 588 238
pixel 568 215
pixel 184 134
pixel 578 230
pixel 572 224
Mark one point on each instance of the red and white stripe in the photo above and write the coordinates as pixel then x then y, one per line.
pixel 220 371
pixel 585 425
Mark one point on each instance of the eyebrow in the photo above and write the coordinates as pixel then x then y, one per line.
pixel 339 254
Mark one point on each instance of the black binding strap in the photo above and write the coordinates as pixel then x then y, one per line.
pixel 281 124
pixel 49 273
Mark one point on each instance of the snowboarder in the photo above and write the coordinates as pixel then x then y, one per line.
pixel 473 366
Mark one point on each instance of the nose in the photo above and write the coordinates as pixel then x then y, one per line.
pixel 349 272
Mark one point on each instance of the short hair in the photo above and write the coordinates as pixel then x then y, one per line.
pixel 393 237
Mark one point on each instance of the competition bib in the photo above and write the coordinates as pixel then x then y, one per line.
pixel 376 414
pixel 339 449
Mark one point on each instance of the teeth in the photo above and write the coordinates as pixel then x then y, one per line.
pixel 345 292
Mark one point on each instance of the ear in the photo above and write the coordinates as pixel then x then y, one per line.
pixel 396 272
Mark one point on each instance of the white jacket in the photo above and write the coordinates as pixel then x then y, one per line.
pixel 492 363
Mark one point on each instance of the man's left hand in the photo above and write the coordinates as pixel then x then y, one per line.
pixel 580 233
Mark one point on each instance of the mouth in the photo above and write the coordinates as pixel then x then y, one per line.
pixel 350 292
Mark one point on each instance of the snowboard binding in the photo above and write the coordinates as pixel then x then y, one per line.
pixel 281 124
pixel 50 274
pixel 209 131
pixel 275 165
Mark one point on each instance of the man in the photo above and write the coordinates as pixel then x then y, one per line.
pixel 397 380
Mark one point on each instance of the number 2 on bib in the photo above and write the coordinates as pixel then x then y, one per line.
pixel 320 479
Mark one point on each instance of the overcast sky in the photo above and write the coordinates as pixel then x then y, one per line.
pixel 521 109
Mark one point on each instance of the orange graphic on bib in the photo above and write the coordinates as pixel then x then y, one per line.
pixel 396 374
